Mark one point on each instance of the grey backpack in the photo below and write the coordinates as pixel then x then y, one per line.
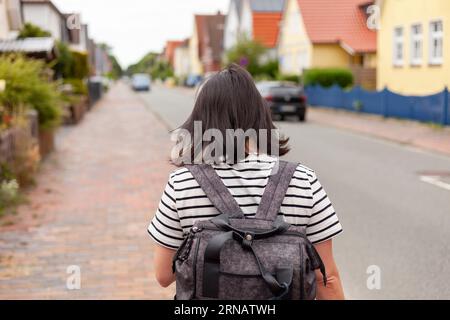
pixel 233 257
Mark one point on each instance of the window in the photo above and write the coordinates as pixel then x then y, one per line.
pixel 436 42
pixel 398 46
pixel 416 44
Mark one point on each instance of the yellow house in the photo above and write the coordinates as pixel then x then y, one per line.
pixel 195 64
pixel 328 33
pixel 414 46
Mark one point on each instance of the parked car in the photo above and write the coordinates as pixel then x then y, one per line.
pixel 284 98
pixel 193 80
pixel 140 82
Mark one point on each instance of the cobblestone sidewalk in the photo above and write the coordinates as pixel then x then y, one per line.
pixel 93 200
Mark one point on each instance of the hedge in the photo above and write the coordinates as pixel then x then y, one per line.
pixel 328 76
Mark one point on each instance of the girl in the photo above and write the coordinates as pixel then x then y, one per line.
pixel 230 100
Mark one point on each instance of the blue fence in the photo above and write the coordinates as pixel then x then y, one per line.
pixel 433 108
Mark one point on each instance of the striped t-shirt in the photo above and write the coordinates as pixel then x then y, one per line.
pixel 184 202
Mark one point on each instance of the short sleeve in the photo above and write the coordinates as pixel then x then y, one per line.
pixel 165 227
pixel 323 223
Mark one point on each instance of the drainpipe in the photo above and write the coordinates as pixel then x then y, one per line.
pixel 446 106
pixel 384 101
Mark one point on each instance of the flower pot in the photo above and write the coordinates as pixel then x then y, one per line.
pixel 46 141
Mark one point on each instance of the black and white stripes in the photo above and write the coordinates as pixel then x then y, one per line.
pixel 183 201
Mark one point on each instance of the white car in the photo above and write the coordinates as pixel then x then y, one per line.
pixel 140 82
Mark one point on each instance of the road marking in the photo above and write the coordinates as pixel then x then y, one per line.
pixel 434 180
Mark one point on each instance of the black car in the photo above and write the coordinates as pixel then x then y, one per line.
pixel 284 98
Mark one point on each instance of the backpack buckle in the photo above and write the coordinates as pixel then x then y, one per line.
pixel 247 240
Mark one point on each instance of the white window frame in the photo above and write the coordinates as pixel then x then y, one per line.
pixel 416 57
pixel 398 40
pixel 436 60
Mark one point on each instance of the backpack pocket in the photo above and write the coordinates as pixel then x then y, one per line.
pixel 184 266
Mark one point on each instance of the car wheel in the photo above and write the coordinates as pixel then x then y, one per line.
pixel 301 117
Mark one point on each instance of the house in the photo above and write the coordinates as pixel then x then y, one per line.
pixel 181 65
pixel 10 19
pixel 414 46
pixel 91 48
pixel 232 24
pixel 328 33
pixel 38 48
pixel 169 51
pixel 206 44
pixel 103 64
pixel 254 19
pixel 44 14
pixel 260 21
pixel 78 32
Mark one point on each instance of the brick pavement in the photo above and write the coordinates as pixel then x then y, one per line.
pixel 94 198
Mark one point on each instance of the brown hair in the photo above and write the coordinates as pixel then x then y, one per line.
pixel 230 100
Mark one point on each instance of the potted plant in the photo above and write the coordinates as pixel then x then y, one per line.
pixel 29 86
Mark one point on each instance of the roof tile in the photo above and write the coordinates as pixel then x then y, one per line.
pixel 342 21
pixel 266 27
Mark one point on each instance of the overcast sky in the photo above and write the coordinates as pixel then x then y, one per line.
pixel 135 27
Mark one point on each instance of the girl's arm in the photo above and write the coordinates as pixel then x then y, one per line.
pixel 333 290
pixel 163 265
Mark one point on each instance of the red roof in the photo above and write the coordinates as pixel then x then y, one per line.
pixel 343 21
pixel 169 50
pixel 210 30
pixel 266 26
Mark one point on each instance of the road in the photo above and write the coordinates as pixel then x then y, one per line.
pixel 391 219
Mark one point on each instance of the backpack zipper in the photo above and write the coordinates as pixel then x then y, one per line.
pixel 197 245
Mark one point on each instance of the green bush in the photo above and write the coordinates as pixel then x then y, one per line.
pixel 78 86
pixel 9 194
pixel 328 77
pixel 268 69
pixel 31 31
pixel 71 64
pixel 290 77
pixel 80 67
pixel 64 62
pixel 248 54
pixel 27 84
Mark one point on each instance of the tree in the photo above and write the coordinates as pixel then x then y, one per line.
pixel 251 54
pixel 144 64
pixel 116 71
pixel 153 65
pixel 30 30
pixel 64 62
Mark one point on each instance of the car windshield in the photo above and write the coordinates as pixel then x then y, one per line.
pixel 265 87
pixel 141 78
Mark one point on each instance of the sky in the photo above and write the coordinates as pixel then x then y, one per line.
pixel 135 27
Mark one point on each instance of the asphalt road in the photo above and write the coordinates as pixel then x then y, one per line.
pixel 391 218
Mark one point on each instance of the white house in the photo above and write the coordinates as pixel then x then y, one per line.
pixel 254 19
pixel 44 14
pixel 232 24
pixel 10 19
pixel 181 62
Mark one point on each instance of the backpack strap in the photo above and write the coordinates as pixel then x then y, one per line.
pixel 275 190
pixel 215 190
